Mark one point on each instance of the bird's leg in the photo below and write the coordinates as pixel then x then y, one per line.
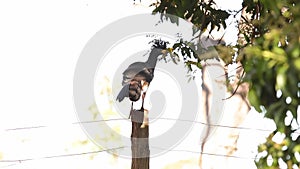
pixel 145 86
pixel 130 110
pixel 145 120
pixel 143 98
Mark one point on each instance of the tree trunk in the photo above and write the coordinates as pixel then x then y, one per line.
pixel 139 141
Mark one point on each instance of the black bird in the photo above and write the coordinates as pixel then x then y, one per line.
pixel 138 75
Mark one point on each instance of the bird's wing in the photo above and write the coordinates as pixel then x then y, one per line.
pixel 123 93
pixel 137 65
pixel 133 70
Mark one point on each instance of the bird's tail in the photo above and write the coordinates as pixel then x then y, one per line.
pixel 123 93
pixel 132 90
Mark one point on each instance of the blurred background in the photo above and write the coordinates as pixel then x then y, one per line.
pixel 40 44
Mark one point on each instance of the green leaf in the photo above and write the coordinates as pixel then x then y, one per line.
pixel 297 64
pixel 254 100
pixel 280 81
pixel 296 148
pixel 281 77
pixel 296 52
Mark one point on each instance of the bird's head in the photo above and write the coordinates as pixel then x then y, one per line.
pixel 159 48
pixel 159 44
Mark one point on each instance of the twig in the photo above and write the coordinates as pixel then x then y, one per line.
pixel 238 85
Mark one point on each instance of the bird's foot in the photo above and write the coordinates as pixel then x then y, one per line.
pixel 146 119
pixel 145 85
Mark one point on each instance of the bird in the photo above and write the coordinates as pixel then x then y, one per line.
pixel 138 76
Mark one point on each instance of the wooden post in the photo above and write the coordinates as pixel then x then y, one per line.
pixel 139 141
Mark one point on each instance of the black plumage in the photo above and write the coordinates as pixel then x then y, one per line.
pixel 138 75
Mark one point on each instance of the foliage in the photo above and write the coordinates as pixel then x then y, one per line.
pixel 269 52
pixel 272 64
pixel 201 14
pixel 204 17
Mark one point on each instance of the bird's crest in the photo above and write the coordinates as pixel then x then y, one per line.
pixel 158 43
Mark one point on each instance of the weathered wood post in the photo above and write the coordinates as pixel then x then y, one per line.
pixel 139 140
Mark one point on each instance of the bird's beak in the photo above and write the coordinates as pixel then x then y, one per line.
pixel 166 51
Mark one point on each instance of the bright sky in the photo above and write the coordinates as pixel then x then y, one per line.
pixel 40 44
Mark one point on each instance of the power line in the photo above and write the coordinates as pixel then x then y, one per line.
pixel 59 156
pixel 206 153
pixel 25 128
pixel 161 118
pixel 74 123
pixel 216 125
pixel 14 162
pixel 106 120
pixel 9 165
pixel 18 161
